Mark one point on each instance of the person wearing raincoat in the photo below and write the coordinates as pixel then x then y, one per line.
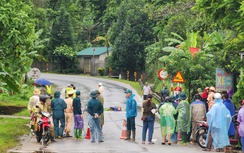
pixel 58 106
pixel 184 117
pixel 131 113
pixel 240 119
pixel 218 118
pixel 167 120
pixel 78 117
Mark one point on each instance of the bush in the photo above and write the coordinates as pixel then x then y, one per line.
pixel 238 96
pixel 101 71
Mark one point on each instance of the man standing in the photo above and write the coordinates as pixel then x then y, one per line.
pixel 101 100
pixel 184 119
pixel 210 99
pixel 78 118
pixel 131 113
pixel 69 118
pixel 95 109
pixel 198 113
pixel 146 90
pixel 58 105
pixel 218 118
pixel 230 106
pixel 100 88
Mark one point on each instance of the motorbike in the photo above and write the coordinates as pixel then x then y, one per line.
pixel 43 133
pixel 203 131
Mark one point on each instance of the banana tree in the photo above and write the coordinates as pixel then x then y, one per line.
pixel 197 70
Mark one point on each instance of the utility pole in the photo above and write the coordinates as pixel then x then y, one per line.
pixel 93 62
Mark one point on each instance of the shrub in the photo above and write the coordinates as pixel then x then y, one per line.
pixel 101 71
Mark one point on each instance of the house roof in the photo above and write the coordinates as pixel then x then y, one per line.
pixel 93 51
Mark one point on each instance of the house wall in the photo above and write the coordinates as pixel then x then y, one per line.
pixel 90 68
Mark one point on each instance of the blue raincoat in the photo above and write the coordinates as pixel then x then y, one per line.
pixel 131 107
pixel 219 118
pixel 229 105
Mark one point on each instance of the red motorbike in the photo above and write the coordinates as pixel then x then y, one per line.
pixel 43 134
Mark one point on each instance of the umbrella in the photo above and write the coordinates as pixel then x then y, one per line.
pixel 42 82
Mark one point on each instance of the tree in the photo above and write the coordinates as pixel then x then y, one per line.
pixel 194 68
pixel 130 35
pixel 61 36
pixel 17 42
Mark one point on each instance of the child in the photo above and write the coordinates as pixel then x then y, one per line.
pixel 240 119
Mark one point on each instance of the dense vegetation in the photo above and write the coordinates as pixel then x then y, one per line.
pixel 145 35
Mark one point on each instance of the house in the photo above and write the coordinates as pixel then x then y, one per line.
pixel 93 58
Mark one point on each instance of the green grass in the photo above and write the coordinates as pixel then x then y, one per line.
pixel 11 130
pixel 24 112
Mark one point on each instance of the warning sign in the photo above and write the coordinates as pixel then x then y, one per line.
pixel 178 78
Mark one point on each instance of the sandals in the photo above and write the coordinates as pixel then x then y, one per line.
pixel 163 143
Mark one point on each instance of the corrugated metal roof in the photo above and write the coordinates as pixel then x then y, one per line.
pixel 93 51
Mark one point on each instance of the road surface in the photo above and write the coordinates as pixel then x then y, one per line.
pixel 114 96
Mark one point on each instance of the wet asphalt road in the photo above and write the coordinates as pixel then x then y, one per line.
pixel 113 96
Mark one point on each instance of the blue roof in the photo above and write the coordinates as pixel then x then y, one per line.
pixel 93 51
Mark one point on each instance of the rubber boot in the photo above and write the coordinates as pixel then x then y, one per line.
pixel 128 135
pixel 75 134
pixel 133 136
pixel 80 134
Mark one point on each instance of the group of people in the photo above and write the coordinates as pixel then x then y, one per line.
pixel 179 117
pixel 68 111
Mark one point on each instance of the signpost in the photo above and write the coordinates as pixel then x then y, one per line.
pixel 34 73
pixel 223 80
pixel 162 75
pixel 178 78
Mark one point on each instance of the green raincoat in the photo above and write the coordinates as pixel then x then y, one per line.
pixel 184 116
pixel 167 120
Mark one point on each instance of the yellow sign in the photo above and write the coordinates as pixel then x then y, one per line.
pixel 178 78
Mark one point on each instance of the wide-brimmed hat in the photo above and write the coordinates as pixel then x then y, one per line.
pixel 93 94
pixel 183 96
pixel 100 84
pixel 77 92
pixel 212 88
pixel 37 92
pixel 57 94
pixel 128 91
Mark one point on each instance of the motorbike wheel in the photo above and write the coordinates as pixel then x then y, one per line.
pixel 47 134
pixel 201 139
pixel 38 136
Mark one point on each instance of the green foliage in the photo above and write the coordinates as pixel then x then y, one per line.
pixel 130 35
pixel 17 42
pixel 238 96
pixel 101 71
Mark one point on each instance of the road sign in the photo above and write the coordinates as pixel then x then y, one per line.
pixel 34 73
pixel 162 74
pixel 178 78
pixel 223 80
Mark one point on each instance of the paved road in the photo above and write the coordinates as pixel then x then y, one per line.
pixel 113 96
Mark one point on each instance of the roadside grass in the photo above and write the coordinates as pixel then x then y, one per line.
pixel 11 130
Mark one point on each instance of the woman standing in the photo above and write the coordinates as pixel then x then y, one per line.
pixel 149 109
pixel 167 123
pixel 240 119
